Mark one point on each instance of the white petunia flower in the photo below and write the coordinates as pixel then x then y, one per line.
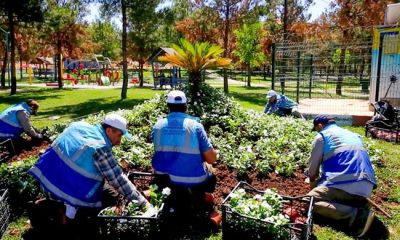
pixel 166 191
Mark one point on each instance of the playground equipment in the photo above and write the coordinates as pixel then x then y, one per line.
pixel 30 72
pixel 104 72
pixel 164 74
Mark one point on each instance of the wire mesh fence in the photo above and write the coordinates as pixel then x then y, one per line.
pixel 324 77
pixel 323 70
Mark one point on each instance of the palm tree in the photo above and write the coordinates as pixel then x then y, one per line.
pixel 195 58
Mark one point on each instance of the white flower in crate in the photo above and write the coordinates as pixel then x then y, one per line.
pixel 166 191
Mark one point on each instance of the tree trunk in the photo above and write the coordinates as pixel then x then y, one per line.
pixel 59 50
pixel 341 71
pixel 20 66
pixel 3 68
pixel 249 75
pixel 194 85
pixel 12 44
pixel 124 51
pixel 226 39
pixel 141 74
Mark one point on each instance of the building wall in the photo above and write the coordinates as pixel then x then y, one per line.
pixel 390 64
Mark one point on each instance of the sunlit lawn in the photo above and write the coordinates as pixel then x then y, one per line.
pixel 73 103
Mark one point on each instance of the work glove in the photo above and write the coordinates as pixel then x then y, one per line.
pixel 39 136
pixel 151 211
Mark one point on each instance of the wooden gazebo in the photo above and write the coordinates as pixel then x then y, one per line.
pixel 163 73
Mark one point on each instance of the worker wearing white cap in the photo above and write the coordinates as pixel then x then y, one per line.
pixel 183 152
pixel 281 105
pixel 74 168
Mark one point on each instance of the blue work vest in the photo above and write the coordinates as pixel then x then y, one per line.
pixel 345 160
pixel 67 170
pixel 10 127
pixel 177 151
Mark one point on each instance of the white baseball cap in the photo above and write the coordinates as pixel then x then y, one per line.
pixel 271 93
pixel 176 97
pixel 118 122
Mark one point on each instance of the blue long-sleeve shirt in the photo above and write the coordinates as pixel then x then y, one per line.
pixel 282 102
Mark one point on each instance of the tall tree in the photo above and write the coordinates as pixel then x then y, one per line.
pixel 19 11
pixel 248 47
pixel 201 25
pixel 232 12
pixel 62 28
pixel 107 39
pixel 144 38
pixel 347 15
pixel 111 8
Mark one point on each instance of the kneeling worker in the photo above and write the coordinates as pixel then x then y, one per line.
pixel 74 168
pixel 281 105
pixel 15 120
pixel 347 178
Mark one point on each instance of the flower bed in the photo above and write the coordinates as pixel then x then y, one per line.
pixel 252 214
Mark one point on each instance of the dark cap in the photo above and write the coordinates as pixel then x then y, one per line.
pixel 322 119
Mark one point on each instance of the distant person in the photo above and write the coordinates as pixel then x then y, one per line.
pixel 346 179
pixel 15 120
pixel 281 105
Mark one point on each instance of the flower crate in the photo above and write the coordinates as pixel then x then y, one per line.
pixel 6 150
pixel 298 222
pixel 131 227
pixel 4 211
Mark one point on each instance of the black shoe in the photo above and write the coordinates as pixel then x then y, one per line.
pixel 363 221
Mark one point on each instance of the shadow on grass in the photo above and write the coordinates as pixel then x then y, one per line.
pixel 253 98
pixel 88 107
pixel 377 231
pixel 37 94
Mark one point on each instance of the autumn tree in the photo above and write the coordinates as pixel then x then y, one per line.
pixel 232 12
pixel 201 25
pixel 347 16
pixel 248 47
pixel 61 28
pixel 19 11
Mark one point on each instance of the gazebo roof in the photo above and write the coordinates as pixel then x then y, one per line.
pixel 42 60
pixel 161 51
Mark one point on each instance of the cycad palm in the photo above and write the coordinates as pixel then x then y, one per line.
pixel 195 58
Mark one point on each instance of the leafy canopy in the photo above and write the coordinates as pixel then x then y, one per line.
pixel 248 47
pixel 196 57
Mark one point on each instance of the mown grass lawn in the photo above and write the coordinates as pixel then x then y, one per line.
pixel 72 103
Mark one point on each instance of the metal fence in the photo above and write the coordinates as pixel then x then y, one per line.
pixel 322 70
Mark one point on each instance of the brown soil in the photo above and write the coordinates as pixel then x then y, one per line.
pixel 227 179
pixel 28 151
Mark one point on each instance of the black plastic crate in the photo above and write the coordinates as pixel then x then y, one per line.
pixel 4 211
pixel 234 224
pixel 132 227
pixel 7 150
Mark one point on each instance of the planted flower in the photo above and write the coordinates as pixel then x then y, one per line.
pixel 156 197
pixel 266 207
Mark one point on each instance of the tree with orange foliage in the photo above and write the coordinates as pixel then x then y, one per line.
pixel 201 26
pixel 347 16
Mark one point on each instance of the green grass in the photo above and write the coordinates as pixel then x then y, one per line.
pixel 73 103
pixel 16 229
